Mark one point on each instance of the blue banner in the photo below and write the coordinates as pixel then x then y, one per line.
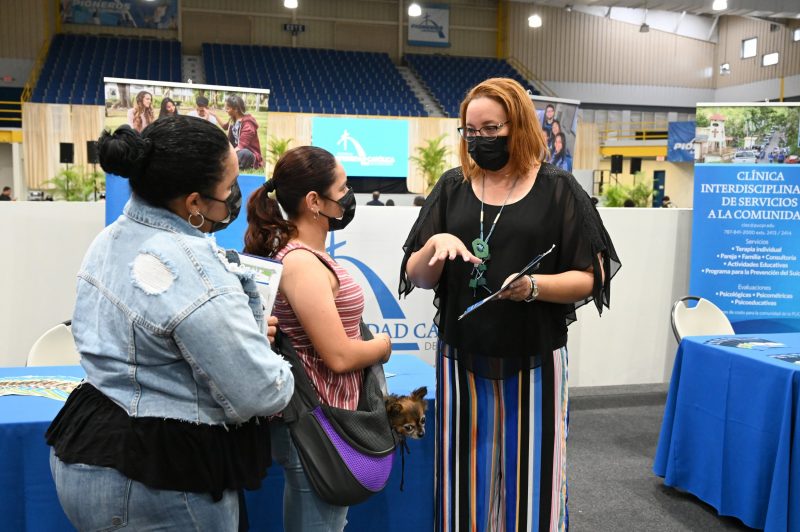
pixel 680 142
pixel 157 15
pixel 744 247
pixel 118 191
pixel 365 147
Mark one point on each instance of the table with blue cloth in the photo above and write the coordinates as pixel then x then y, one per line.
pixel 28 500
pixel 731 429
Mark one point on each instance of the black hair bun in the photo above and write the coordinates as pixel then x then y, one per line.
pixel 123 152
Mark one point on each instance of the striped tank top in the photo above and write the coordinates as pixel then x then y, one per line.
pixel 335 389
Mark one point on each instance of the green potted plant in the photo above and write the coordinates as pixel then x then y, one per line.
pixel 431 160
pixel 615 196
pixel 275 148
pixel 73 184
pixel 640 193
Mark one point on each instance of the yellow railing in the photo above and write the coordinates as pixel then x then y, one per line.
pixel 27 91
pixel 15 111
pixel 540 85
pixel 634 131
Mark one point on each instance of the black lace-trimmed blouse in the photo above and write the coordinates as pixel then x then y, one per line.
pixel 504 337
pixel 167 454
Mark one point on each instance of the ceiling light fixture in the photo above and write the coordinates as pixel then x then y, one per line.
pixel 414 10
pixel 644 28
pixel 568 8
pixel 719 5
pixel 535 21
pixel 290 4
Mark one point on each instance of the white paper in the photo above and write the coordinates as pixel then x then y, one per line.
pixel 267 277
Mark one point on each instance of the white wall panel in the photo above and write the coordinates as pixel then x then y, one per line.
pixel 631 344
pixel 631 94
pixel 733 30
pixel 576 47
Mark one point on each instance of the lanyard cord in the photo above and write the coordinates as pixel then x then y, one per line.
pixel 494 223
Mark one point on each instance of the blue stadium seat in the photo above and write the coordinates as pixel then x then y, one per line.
pixel 312 80
pixel 449 78
pixel 76 64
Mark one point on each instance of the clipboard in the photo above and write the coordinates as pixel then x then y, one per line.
pixel 525 269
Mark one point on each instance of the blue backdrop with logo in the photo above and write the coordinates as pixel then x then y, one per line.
pixel 232 237
pixel 365 147
pixel 680 147
pixel 431 27
pixel 745 244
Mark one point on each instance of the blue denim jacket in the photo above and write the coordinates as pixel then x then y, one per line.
pixel 168 328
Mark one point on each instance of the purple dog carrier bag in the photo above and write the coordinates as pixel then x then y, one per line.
pixel 347 455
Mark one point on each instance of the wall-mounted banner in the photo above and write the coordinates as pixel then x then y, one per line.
pixel 746 218
pixel 680 142
pixel 139 103
pixel 365 147
pixel 559 119
pixel 153 14
pixel 431 28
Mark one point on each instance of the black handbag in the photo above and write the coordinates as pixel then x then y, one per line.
pixel 347 455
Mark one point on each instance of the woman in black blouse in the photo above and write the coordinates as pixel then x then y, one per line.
pixel 502 369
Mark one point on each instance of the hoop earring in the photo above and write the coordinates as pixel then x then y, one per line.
pixel 202 220
pixel 316 214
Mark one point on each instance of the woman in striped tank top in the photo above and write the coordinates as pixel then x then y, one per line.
pixel 318 307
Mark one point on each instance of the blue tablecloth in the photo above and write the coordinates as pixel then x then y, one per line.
pixel 28 500
pixel 731 429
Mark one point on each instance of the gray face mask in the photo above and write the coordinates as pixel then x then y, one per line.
pixel 234 204
pixel 489 154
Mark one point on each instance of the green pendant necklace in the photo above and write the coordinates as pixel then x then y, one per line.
pixel 480 246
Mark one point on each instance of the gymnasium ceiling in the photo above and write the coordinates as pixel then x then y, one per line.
pixel 775 9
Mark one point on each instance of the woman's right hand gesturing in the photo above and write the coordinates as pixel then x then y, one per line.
pixel 448 247
pixel 425 266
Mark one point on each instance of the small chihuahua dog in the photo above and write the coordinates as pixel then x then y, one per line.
pixel 407 413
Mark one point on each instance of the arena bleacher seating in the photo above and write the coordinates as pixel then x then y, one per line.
pixel 10 110
pixel 309 80
pixel 76 64
pixel 449 78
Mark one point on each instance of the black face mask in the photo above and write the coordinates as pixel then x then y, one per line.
pixel 489 154
pixel 234 204
pixel 348 205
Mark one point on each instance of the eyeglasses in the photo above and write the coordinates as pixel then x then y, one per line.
pixel 489 132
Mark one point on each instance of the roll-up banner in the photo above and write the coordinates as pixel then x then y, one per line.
pixel 559 119
pixel 140 102
pixel 746 220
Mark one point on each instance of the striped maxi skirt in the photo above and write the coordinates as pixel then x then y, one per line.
pixel 501 448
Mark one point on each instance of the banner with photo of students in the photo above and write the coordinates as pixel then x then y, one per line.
pixel 431 28
pixel 746 215
pixel 241 113
pixel 559 119
pixel 152 14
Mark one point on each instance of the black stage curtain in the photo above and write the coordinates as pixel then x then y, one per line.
pixel 388 185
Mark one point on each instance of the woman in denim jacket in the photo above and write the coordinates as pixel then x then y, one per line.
pixel 170 421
